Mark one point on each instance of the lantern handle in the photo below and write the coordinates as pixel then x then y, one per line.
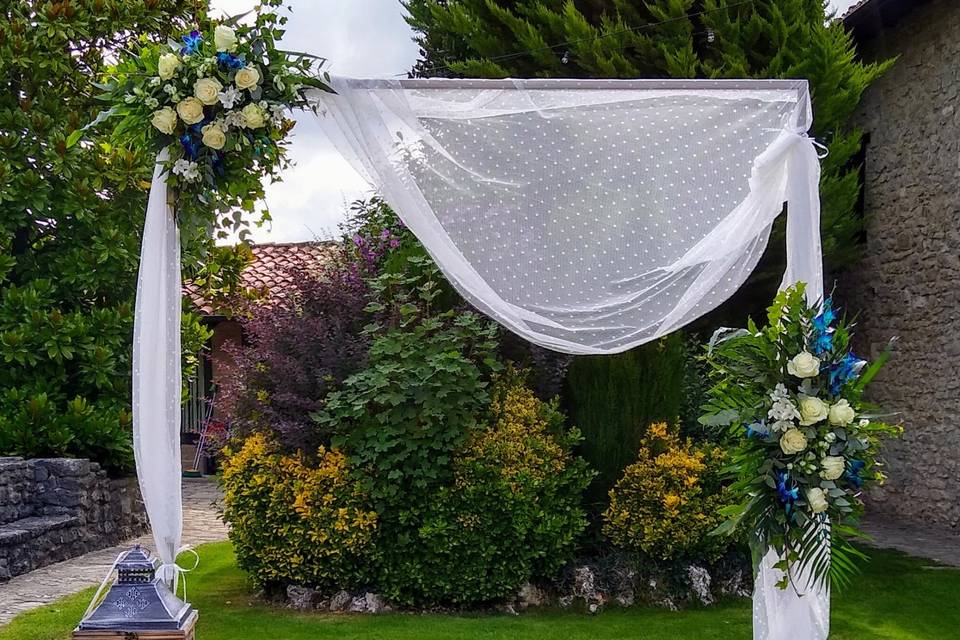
pixel 96 596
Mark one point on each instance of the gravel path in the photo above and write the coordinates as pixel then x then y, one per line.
pixel 915 539
pixel 34 589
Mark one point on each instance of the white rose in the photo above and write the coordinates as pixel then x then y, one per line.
pixel 213 136
pixel 831 467
pixel 190 110
pixel 804 365
pixel 225 38
pixel 842 414
pixel 247 78
pixel 167 65
pixel 817 500
pixel 207 90
pixel 793 441
pixel 812 410
pixel 165 120
pixel 253 116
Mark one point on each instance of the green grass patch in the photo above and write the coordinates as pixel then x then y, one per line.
pixel 897 598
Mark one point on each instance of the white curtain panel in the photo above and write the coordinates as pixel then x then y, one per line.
pixel 156 373
pixel 592 216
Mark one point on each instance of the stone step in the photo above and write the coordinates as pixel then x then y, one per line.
pixel 27 528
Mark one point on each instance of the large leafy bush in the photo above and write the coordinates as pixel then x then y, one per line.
pixel 297 522
pixel 512 512
pixel 70 226
pixel 669 500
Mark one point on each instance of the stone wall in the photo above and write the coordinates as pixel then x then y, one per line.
pixel 908 282
pixel 55 509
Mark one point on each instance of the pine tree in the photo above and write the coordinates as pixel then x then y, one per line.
pixel 674 39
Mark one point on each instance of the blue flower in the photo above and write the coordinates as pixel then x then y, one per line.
pixel 191 43
pixel 230 61
pixel 821 340
pixel 847 369
pixel 757 429
pixel 787 494
pixel 191 147
pixel 827 315
pixel 853 473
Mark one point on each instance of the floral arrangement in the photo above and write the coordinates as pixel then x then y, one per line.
pixel 218 99
pixel 803 442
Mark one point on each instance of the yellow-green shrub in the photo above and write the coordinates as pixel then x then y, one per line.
pixel 297 523
pixel 511 514
pixel 667 502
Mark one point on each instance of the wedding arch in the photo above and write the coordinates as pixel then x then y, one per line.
pixel 587 216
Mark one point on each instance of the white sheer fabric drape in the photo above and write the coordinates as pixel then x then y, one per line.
pixel 589 216
pixel 156 373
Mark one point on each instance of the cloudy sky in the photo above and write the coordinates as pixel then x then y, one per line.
pixel 361 38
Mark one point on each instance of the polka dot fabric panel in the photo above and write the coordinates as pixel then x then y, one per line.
pixel 588 216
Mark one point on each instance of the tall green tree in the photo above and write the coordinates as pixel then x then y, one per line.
pixel 673 39
pixel 70 226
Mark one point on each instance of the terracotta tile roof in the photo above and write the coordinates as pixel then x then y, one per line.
pixel 273 269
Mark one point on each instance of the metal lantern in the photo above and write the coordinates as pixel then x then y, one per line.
pixel 139 605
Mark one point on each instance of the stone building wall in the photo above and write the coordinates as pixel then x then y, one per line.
pixel 908 282
pixel 55 509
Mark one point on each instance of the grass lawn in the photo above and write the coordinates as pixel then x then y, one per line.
pixel 897 598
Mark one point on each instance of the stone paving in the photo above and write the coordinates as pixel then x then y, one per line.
pixel 914 539
pixel 30 590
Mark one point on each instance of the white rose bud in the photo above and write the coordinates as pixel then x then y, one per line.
pixel 253 116
pixel 842 414
pixel 812 410
pixel 207 90
pixel 165 120
pixel 213 136
pixel 831 467
pixel 247 78
pixel 190 110
pixel 817 500
pixel 804 365
pixel 167 65
pixel 225 38
pixel 793 441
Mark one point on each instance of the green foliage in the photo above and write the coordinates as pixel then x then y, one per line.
pixel 294 523
pixel 669 39
pixel 70 226
pixel 669 500
pixel 423 391
pixel 613 399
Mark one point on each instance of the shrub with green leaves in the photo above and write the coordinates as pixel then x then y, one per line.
pixel 423 392
pixel 70 227
pixel 511 514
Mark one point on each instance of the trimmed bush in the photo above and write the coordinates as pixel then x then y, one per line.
pixel 511 514
pixel 294 523
pixel 668 501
